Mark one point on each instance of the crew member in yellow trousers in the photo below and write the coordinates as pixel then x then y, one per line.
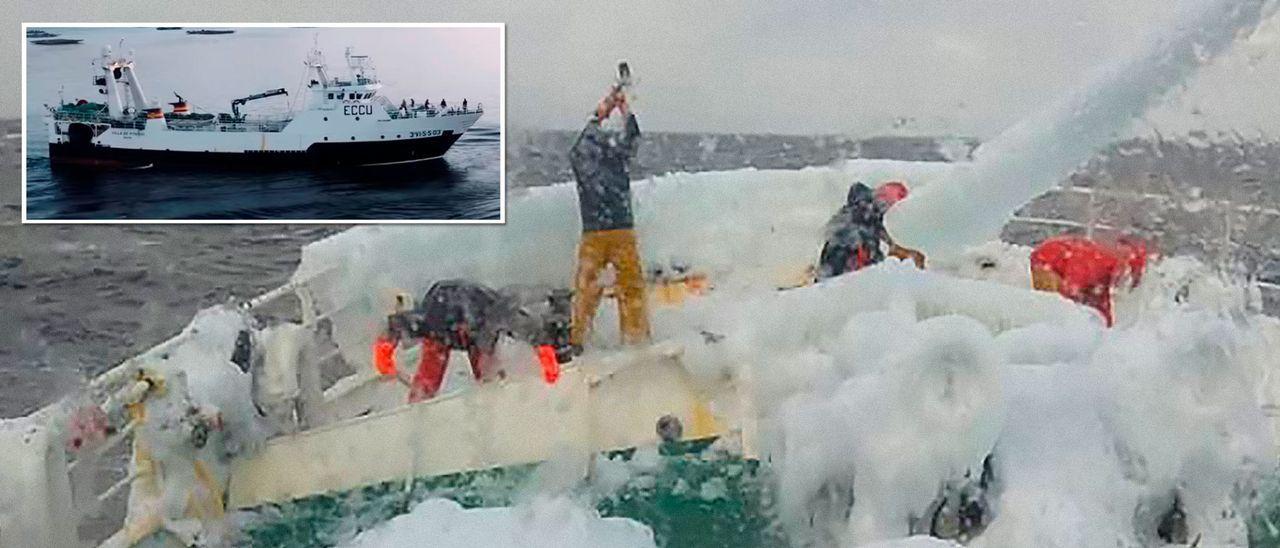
pixel 601 160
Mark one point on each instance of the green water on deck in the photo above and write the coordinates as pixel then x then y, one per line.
pixel 734 510
pixel 670 500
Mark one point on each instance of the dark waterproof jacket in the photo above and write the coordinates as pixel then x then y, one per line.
pixel 463 314
pixel 853 234
pixel 601 162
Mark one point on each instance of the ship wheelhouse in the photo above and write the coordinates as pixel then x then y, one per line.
pixel 359 88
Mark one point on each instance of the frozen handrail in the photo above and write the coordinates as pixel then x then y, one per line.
pixel 119 374
pixel 1164 198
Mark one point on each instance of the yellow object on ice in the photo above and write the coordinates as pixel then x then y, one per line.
pixel 147 513
pixel 790 278
pixel 704 424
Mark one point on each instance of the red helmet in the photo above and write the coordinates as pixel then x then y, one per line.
pixel 891 192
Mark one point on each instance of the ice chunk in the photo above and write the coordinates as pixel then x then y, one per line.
pixel 1039 151
pixel 545 522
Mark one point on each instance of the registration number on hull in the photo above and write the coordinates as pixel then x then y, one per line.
pixel 427 133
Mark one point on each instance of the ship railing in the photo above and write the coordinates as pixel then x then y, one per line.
pixel 423 111
pixel 227 124
pixel 266 124
pixel 398 113
pixel 362 81
pixel 121 385
pixel 102 117
pixel 479 109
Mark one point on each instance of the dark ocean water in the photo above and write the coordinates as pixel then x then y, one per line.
pixel 210 71
pixel 462 185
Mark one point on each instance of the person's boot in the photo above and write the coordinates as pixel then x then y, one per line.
pixel 566 354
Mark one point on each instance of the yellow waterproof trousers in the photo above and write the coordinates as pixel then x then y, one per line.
pixel 598 249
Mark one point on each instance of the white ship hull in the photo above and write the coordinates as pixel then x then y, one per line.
pixel 337 136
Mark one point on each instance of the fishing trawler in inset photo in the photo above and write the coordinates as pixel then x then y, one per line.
pixel 345 121
pixel 235 107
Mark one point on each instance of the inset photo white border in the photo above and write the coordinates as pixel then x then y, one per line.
pixel 502 121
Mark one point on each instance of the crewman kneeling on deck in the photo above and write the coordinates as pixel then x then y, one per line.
pixel 855 232
pixel 463 315
pixel 601 159
pixel 1085 270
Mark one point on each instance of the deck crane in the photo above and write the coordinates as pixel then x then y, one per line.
pixel 235 105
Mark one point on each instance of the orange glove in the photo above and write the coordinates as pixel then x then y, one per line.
pixel 550 366
pixel 384 356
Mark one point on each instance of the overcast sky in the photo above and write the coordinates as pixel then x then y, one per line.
pixel 421 62
pixel 950 66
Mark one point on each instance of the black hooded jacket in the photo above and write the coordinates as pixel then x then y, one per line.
pixel 463 315
pixel 858 225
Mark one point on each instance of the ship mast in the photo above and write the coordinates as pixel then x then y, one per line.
pixel 315 61
pixel 116 72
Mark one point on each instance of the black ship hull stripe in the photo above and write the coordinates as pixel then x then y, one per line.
pixel 318 154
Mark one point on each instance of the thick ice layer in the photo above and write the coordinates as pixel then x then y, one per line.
pixel 884 384
pixel 544 522
pixel 35 495
pixel 745 228
pixel 203 360
pixel 1038 152
pixel 889 382
pixel 1106 436
pixel 920 541
pixel 880 386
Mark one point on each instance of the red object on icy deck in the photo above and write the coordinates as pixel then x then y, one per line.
pixel 1085 270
